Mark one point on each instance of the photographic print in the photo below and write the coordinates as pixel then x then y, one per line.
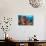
pixel 25 20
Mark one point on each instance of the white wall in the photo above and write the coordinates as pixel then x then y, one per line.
pixel 12 8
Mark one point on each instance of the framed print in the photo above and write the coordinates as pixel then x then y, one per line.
pixel 25 20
